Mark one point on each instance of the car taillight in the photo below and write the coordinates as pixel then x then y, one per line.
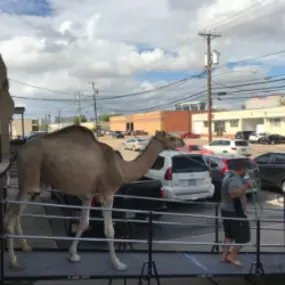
pixel 225 168
pixel 92 203
pixel 234 148
pixel 161 193
pixel 168 174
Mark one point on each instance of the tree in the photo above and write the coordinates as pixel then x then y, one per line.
pixel 106 117
pixel 44 127
pixel 282 101
pixel 79 119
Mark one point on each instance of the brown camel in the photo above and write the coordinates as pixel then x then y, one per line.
pixel 76 163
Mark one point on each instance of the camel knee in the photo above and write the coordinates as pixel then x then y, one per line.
pixel 84 222
pixel 109 231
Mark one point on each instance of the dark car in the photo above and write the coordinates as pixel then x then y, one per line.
pixel 272 169
pixel 243 135
pixel 144 188
pixel 221 163
pixel 272 139
pixel 118 135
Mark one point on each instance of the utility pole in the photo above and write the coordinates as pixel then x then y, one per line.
pixel 59 118
pixel 95 92
pixel 209 36
pixel 79 106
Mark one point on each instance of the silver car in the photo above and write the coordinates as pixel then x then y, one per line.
pixel 136 144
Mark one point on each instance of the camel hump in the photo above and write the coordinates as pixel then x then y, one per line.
pixel 72 131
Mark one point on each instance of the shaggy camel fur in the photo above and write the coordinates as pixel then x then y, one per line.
pixel 76 163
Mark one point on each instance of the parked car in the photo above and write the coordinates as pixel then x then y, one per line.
pixel 189 135
pixel 136 144
pixel 118 135
pixel 243 135
pixel 183 176
pixel 143 187
pixel 222 163
pixel 272 139
pixel 198 149
pixel 256 137
pixel 180 144
pixel 236 146
pixel 272 169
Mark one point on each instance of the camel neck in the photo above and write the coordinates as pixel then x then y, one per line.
pixel 137 168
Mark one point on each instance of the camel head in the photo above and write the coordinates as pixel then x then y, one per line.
pixel 167 141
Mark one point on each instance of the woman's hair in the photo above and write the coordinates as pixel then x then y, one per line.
pixel 238 164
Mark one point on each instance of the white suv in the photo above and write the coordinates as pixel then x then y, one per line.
pixel 183 176
pixel 238 146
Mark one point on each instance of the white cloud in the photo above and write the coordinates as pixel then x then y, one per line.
pixel 83 41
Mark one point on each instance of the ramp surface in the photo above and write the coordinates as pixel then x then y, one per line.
pixel 55 265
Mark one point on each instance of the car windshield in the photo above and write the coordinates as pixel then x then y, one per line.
pixel 263 134
pixel 241 143
pixel 185 164
pixel 196 147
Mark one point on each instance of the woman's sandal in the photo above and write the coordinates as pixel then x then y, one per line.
pixel 237 263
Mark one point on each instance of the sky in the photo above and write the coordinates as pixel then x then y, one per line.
pixel 136 47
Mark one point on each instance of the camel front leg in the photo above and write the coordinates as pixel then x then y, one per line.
pixel 110 233
pixel 83 225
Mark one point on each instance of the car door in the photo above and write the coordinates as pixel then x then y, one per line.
pixel 263 162
pixel 276 169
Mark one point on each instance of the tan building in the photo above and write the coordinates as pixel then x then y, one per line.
pixel 19 127
pixel 170 121
pixel 271 120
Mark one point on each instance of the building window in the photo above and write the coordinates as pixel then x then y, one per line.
pixel 234 123
pixel 206 124
pixel 276 122
pixel 219 126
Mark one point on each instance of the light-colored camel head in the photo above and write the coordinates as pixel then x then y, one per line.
pixel 167 141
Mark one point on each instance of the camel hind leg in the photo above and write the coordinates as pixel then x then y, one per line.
pixel 83 225
pixel 12 224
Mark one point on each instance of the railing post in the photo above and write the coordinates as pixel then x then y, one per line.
pixel 259 270
pixel 2 240
pixel 150 263
pixel 216 247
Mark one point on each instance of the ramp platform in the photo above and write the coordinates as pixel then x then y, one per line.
pixel 52 265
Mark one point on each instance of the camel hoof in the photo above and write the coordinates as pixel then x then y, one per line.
pixel 74 258
pixel 14 266
pixel 120 266
pixel 27 248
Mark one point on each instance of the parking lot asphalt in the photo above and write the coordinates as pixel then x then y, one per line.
pixel 196 230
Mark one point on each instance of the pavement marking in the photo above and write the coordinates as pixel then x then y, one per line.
pixel 275 202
